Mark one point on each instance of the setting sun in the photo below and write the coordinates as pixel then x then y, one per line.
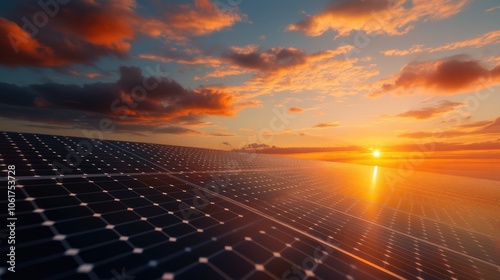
pixel 376 153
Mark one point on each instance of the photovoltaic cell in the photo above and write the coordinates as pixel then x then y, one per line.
pixel 89 209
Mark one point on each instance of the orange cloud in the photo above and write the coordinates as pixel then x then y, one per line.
pixel 443 107
pixel 295 110
pixel 29 50
pixel 452 75
pixel 84 31
pixel 93 75
pixel 489 38
pixel 481 128
pixel 376 16
pixel 182 21
pixel 473 125
pixel 327 125
pixel 108 23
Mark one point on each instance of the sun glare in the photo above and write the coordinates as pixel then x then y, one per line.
pixel 376 153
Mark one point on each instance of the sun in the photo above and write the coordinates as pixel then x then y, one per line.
pixel 376 153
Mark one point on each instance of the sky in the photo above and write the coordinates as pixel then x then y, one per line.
pixel 230 74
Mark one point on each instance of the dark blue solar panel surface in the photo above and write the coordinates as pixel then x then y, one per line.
pixel 118 210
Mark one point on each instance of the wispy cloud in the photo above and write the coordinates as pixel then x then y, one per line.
pixel 181 21
pixel 443 107
pixel 485 39
pixel 492 9
pixel 327 125
pixel 491 128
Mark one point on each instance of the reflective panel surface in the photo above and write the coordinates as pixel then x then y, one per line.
pixel 109 210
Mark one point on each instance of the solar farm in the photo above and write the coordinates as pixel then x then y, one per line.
pixel 90 209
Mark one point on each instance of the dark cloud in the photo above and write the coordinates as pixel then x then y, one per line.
pixel 127 102
pixel 256 146
pixel 451 75
pixel 270 60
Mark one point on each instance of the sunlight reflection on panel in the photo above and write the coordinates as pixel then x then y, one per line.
pixel 373 191
pixel 374 177
pixel 372 195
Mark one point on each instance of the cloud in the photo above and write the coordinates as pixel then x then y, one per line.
pixel 181 21
pixel 160 109
pixel 185 56
pixel 295 110
pixel 26 50
pixel 327 125
pixel 256 146
pixel 443 107
pixel 93 75
pixel 480 129
pixel 109 24
pixel 290 69
pixel 489 38
pixel 474 124
pixel 271 60
pixel 279 69
pixel 492 9
pixel 81 32
pixel 84 31
pixel 392 17
pixel 457 74
pixel 222 134
pixel 169 129
pixel 438 146
pixel 444 146
pixel 266 149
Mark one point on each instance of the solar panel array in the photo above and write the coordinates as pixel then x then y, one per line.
pixel 89 209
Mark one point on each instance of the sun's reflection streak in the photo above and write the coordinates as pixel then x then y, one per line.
pixel 372 192
pixel 374 178
pixel 373 195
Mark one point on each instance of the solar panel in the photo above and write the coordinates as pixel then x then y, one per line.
pixel 90 209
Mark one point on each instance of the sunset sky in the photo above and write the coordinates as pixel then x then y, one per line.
pixel 365 73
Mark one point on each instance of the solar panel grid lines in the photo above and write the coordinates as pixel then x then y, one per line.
pixel 294 229
pixel 261 218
